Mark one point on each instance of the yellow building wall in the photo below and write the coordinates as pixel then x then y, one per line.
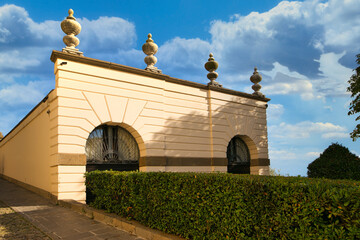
pixel 24 152
pixel 166 118
pixel 236 116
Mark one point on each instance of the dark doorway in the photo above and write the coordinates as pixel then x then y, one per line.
pixel 111 148
pixel 238 156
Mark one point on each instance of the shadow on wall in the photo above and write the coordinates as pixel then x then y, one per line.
pixel 189 143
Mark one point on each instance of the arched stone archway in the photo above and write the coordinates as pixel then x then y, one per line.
pixel 111 147
pixel 238 156
pixel 241 154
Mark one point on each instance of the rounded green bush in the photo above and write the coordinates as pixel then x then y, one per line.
pixel 336 162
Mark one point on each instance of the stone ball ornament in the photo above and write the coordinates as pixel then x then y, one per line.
pixel 256 78
pixel 71 28
pixel 211 65
pixel 150 49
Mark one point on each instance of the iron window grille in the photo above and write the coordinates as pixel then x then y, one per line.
pixel 111 145
pixel 237 152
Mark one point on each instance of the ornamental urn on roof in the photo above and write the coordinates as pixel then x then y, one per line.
pixel 256 78
pixel 211 66
pixel 72 28
pixel 150 49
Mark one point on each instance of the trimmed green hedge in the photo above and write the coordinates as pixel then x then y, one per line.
pixel 226 206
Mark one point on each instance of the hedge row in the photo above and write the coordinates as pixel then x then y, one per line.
pixel 226 206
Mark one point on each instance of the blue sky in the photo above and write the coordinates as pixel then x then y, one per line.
pixel 305 51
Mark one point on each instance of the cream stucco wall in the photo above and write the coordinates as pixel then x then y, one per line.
pixel 24 152
pixel 166 118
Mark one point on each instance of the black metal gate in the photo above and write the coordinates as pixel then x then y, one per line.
pixel 238 156
pixel 110 148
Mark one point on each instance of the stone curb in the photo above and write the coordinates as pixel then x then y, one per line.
pixel 114 220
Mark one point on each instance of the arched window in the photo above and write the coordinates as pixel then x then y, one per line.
pixel 238 156
pixel 112 147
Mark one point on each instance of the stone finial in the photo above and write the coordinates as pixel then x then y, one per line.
pixel 256 78
pixel 211 66
pixel 1 136
pixel 72 28
pixel 150 49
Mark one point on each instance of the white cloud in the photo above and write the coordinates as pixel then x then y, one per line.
pixel 284 82
pixel 313 154
pixel 334 76
pixel 335 135
pixel 278 68
pixel 132 57
pixel 292 161
pixel 188 52
pixel 14 59
pixel 185 57
pixel 333 23
pixel 302 87
pixel 106 34
pixel 331 80
pixel 274 111
pixel 284 41
pixel 252 28
pixel 26 45
pixel 7 78
pixel 46 33
pixel 18 29
pixel 281 154
pixel 341 22
pixel 18 94
pixel 279 35
pixel 306 129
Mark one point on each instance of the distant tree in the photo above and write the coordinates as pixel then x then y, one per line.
pixel 336 162
pixel 274 172
pixel 354 108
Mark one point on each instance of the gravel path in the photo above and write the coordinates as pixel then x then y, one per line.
pixel 15 227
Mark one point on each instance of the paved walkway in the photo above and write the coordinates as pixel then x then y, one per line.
pixel 55 221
